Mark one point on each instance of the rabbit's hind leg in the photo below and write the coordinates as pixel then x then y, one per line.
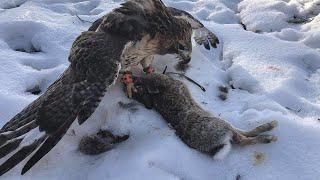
pixel 260 139
pixel 260 129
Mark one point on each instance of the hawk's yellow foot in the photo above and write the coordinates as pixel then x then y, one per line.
pixel 128 81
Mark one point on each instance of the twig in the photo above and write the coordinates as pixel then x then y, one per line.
pixel 243 25
pixel 82 20
pixel 165 70
pixel 296 110
pixel 189 79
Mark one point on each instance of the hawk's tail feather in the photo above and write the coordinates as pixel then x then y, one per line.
pixel 21 155
pixel 28 114
pixel 11 141
pixel 49 143
pixel 21 122
pixel 10 135
pixel 53 115
pixel 9 147
pixel 24 117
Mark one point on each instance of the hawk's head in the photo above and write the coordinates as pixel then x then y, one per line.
pixel 182 44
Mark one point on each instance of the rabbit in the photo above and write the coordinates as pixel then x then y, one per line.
pixel 196 127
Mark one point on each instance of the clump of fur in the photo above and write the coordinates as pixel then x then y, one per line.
pixel 100 142
pixel 223 93
pixel 196 127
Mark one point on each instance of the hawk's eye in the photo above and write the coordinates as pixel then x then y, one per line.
pixel 181 47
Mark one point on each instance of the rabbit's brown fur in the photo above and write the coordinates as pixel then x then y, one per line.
pixel 196 127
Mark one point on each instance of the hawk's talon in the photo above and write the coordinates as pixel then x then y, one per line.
pixel 130 89
pixel 127 79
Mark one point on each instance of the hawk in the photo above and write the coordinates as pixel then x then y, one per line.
pixel 130 34
pixel 203 36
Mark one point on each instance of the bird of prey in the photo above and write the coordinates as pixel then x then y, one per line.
pixel 202 36
pixel 128 35
pixel 183 47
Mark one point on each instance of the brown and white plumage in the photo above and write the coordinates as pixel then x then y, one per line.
pixel 136 30
pixel 94 65
pixel 202 36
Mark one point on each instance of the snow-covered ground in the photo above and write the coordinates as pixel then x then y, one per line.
pixel 269 52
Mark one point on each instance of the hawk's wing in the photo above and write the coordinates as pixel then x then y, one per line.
pixel 136 18
pixel 203 36
pixel 95 64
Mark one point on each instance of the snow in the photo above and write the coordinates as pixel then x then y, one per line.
pixel 274 66
pixel 295 20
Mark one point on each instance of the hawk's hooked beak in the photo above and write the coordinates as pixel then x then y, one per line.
pixel 185 56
